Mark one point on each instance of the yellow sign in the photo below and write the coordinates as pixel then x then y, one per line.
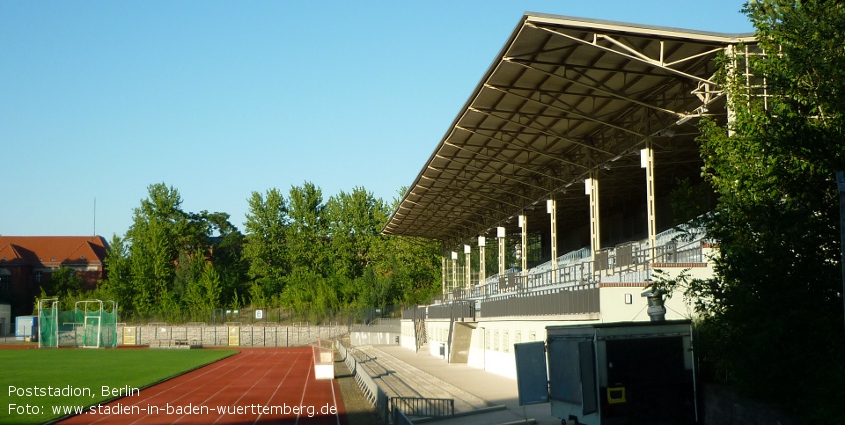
pixel 128 336
pixel 234 335
pixel 616 395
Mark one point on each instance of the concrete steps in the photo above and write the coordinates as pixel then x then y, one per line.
pixel 399 379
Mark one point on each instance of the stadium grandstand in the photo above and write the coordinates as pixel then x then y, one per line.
pixel 552 190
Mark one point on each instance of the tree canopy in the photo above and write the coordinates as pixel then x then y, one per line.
pixel 772 317
pixel 299 251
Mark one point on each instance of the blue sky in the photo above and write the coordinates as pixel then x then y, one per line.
pixel 98 100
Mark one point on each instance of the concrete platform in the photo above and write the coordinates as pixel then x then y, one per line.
pixel 494 389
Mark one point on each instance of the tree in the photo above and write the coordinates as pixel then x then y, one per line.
pixel 306 237
pixel 161 262
pixel 773 315
pixel 203 292
pixel 265 248
pixel 354 222
pixel 63 283
pixel 411 266
pixel 226 255
pixel 118 282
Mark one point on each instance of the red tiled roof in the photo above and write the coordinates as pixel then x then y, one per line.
pixel 53 250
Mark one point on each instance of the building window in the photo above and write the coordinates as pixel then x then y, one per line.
pixel 37 277
pixel 5 280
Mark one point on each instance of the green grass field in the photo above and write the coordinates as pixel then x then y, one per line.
pixel 36 380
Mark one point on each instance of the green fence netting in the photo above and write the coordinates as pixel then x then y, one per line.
pixel 91 324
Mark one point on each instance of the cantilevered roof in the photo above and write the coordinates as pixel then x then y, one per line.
pixel 564 97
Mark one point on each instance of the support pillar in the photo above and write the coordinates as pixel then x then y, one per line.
pixel 647 162
pixel 523 224
pixel 467 268
pixel 591 187
pixel 443 273
pixel 551 208
pixel 500 233
pixel 731 65
pixel 482 271
pixel 454 270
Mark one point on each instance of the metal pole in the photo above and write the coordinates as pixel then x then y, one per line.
pixel 840 181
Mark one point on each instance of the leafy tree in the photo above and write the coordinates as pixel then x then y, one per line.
pixel 309 295
pixel 226 255
pixel 203 293
pixel 160 265
pixel 773 316
pixel 412 264
pixel 152 256
pixel 189 270
pixel 307 233
pixel 63 283
pixel 265 249
pixel 118 282
pixel 354 222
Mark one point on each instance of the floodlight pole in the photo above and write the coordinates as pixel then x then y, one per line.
pixel 840 182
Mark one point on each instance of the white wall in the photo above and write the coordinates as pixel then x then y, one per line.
pixel 407 339
pixel 614 309
pixel 438 336
pixel 491 347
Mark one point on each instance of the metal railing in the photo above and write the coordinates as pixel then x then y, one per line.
pixel 424 407
pixel 457 309
pixel 629 262
pixel 561 301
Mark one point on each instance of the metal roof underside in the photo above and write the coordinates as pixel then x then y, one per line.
pixel 566 96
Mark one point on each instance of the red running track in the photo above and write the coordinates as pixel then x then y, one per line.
pixel 255 386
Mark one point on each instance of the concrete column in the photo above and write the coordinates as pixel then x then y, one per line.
pixel 551 208
pixel 443 273
pixel 523 224
pixel 591 187
pixel 500 233
pixel 731 65
pixel 647 162
pixel 454 270
pixel 482 272
pixel 467 268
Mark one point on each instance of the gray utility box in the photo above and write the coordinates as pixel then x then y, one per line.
pixel 622 373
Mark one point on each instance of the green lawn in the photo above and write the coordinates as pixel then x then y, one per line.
pixel 35 380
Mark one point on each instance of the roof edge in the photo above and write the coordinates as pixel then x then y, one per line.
pixel 641 29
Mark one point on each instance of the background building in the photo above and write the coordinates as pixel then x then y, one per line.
pixel 27 263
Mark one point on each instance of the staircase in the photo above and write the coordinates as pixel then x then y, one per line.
pixel 420 333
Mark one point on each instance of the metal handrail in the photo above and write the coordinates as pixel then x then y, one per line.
pixel 421 406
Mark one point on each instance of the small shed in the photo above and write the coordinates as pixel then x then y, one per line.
pixel 616 373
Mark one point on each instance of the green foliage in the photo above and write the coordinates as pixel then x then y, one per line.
pixel 309 255
pixel 265 243
pixel 171 259
pixel 203 288
pixel 299 252
pixel 773 317
pixel 64 282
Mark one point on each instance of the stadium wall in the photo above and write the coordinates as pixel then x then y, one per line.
pixel 231 335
